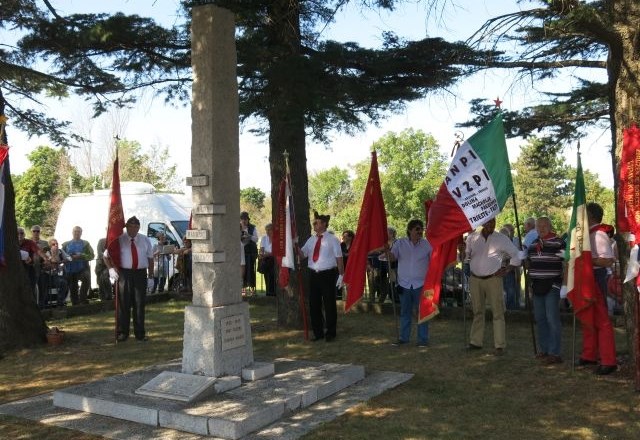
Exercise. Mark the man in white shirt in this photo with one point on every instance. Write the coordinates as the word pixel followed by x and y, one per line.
pixel 136 263
pixel 326 271
pixel 485 250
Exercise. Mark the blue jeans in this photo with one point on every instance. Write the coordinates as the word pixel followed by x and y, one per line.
pixel 409 303
pixel 512 300
pixel 546 310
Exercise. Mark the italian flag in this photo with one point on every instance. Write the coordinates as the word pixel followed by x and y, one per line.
pixel 581 285
pixel 475 188
pixel 474 191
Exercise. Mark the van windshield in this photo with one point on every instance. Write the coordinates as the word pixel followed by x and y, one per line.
pixel 181 227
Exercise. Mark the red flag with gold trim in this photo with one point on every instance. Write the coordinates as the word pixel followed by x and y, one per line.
pixel 115 223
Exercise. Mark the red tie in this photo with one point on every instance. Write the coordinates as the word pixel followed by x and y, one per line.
pixel 316 249
pixel 134 255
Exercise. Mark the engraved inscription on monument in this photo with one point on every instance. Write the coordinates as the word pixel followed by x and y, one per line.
pixel 210 209
pixel 176 386
pixel 197 180
pixel 232 329
pixel 208 257
pixel 197 234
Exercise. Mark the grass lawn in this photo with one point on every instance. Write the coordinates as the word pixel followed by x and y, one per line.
pixel 454 394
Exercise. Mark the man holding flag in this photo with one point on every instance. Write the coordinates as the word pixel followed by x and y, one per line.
pixel 485 250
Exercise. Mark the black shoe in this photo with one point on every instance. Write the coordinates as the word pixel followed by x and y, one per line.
pixel 142 339
pixel 603 370
pixel 317 338
pixel 122 337
pixel 473 347
pixel 399 343
pixel 584 362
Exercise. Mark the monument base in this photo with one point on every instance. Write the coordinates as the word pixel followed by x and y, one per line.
pixel 217 340
pixel 231 415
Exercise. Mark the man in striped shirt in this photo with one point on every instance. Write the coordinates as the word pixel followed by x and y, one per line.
pixel 545 263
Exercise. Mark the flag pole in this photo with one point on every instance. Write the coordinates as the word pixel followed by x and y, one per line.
pixel 525 271
pixel 392 294
pixel 301 302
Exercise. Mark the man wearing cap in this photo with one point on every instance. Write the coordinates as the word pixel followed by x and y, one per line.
pixel 134 277
pixel 326 271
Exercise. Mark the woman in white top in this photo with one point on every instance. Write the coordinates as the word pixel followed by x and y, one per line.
pixel 266 263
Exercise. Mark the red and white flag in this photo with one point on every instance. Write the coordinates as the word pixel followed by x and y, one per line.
pixel 284 233
pixel 371 234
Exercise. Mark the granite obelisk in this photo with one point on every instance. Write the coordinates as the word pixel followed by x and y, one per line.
pixel 217 332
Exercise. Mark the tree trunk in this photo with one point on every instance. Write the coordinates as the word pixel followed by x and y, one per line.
pixel 287 133
pixel 624 79
pixel 21 324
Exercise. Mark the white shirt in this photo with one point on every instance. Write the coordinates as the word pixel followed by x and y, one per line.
pixel 329 250
pixel 143 247
pixel 600 245
pixel 413 261
pixel 265 243
pixel 529 238
pixel 486 255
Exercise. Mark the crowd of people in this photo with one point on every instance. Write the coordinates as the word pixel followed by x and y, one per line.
pixel 494 262
pixel 60 272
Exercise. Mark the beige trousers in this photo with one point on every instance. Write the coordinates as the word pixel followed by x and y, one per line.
pixel 483 291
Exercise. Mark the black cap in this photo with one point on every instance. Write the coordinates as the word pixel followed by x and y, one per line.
pixel 324 218
pixel 133 221
pixel 244 215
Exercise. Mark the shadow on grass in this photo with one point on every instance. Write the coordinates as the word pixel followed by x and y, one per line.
pixel 454 394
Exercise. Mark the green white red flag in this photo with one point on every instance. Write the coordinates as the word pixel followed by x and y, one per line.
pixel 475 189
pixel 581 285
pixel 371 234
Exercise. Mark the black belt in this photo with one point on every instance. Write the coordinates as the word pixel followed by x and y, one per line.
pixel 323 271
pixel 481 278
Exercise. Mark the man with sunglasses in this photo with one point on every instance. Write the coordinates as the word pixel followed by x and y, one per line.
pixel 413 254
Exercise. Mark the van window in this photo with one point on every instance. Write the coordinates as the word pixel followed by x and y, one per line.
pixel 154 228
pixel 180 226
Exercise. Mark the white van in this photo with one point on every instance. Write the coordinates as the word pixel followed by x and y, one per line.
pixel 166 212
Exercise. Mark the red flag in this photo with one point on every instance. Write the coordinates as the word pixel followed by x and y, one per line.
pixel 284 233
pixel 4 175
pixel 371 234
pixel 115 223
pixel 629 192
pixel 443 255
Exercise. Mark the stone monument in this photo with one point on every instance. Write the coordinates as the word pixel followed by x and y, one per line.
pixel 217 333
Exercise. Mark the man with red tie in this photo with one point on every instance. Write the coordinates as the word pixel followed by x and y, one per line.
pixel 326 270
pixel 134 276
